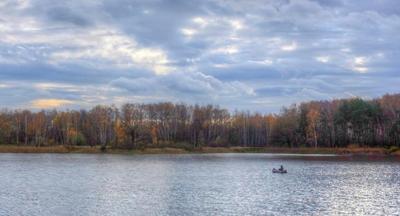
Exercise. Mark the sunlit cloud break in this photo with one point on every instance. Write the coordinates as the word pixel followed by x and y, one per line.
pixel 49 103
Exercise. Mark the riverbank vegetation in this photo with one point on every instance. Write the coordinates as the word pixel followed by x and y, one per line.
pixel 188 150
pixel 316 124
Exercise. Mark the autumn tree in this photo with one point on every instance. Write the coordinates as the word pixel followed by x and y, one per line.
pixel 335 123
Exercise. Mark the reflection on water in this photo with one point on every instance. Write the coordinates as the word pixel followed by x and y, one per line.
pixel 210 184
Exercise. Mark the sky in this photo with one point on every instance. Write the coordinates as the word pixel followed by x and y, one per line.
pixel 243 54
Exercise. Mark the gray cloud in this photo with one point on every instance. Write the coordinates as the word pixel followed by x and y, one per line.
pixel 254 55
pixel 64 14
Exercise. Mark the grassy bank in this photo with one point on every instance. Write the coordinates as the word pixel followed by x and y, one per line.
pixel 175 150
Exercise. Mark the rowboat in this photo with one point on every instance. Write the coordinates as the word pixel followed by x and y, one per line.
pixel 278 171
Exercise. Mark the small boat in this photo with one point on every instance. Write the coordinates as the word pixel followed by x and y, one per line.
pixel 278 171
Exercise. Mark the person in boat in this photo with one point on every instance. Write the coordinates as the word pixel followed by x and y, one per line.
pixel 281 168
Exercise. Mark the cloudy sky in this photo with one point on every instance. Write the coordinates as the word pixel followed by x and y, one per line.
pixel 242 54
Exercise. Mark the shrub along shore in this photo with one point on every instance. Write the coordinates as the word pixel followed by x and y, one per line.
pixel 205 150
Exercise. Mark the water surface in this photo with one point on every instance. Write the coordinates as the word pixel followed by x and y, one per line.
pixel 197 184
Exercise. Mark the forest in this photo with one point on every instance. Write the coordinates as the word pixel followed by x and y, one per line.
pixel 334 123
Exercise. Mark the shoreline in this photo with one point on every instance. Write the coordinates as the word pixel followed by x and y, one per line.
pixel 203 150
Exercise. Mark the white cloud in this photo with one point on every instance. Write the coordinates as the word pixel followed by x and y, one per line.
pixel 360 60
pixel 345 50
pixel 117 49
pixel 189 32
pixel 226 50
pixel 190 86
pixel 2 85
pixel 323 59
pixel 289 47
pixel 49 86
pixel 359 64
pixel 263 62
pixel 237 24
pixel 360 69
pixel 102 46
pixel 200 21
pixel 221 65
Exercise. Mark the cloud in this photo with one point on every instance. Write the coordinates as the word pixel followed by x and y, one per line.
pixel 49 103
pixel 226 50
pixel 237 24
pixel 188 32
pixel 98 46
pixel 323 59
pixel 289 47
pixel 200 21
pixel 2 85
pixel 240 54
pixel 188 86
pixel 66 15
pixel 109 47
pixel 359 64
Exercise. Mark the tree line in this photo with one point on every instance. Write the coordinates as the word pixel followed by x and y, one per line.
pixel 334 123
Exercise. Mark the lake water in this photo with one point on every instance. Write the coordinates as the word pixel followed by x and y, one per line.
pixel 195 184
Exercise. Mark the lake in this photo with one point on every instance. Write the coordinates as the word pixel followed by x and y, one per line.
pixel 197 184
